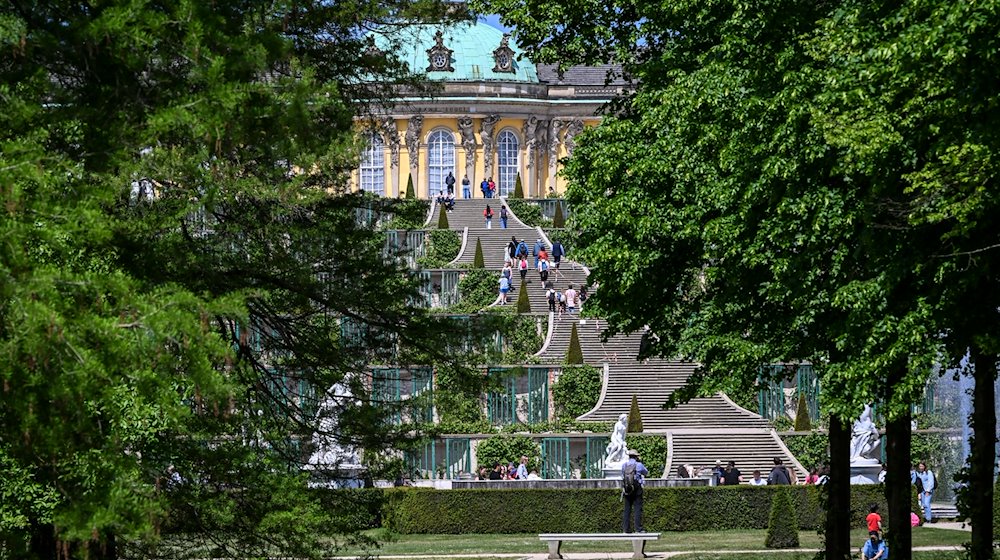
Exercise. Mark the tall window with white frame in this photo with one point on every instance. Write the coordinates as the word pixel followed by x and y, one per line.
pixel 372 172
pixel 440 160
pixel 507 148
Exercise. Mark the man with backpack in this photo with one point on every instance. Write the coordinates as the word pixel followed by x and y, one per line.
pixel 632 477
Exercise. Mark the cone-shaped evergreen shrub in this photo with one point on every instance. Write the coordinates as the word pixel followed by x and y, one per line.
pixel 409 188
pixel 442 218
pixel 783 526
pixel 574 354
pixel 634 417
pixel 802 423
pixel 477 260
pixel 518 189
pixel 523 305
pixel 558 221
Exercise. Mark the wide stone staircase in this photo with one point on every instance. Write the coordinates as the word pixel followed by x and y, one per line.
pixel 468 213
pixel 699 432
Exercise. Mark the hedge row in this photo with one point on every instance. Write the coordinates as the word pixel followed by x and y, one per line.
pixel 426 511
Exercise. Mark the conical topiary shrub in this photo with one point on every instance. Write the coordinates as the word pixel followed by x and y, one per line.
pixel 558 221
pixel 523 305
pixel 783 526
pixel 574 354
pixel 802 423
pixel 442 218
pixel 477 260
pixel 409 187
pixel 634 417
pixel 518 189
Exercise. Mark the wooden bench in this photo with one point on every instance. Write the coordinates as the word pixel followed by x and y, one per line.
pixel 638 541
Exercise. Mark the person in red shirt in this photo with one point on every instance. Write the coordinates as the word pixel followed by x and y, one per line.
pixel 874 520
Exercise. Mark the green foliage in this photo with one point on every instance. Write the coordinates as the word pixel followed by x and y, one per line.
pixel 411 193
pixel 504 448
pixel 528 212
pixel 782 526
pixel 407 214
pixel 458 401
pixel 442 218
pixel 521 337
pixel 634 417
pixel 574 354
pixel 442 247
pixel 802 423
pixel 508 511
pixel 477 259
pixel 811 450
pixel 170 284
pixel 576 391
pixel 518 189
pixel 523 303
pixel 652 450
pixel 477 288
pixel 558 221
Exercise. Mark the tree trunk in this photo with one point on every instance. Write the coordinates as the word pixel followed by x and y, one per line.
pixel 898 490
pixel 982 459
pixel 43 542
pixel 838 492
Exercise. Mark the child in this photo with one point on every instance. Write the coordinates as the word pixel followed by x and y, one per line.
pixel 874 520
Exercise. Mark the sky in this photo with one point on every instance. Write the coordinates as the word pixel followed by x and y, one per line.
pixel 494 20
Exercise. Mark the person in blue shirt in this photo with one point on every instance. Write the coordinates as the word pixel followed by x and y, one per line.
pixel 522 468
pixel 926 488
pixel 875 548
pixel 633 503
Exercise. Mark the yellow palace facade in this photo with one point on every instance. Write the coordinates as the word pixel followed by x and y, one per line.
pixel 497 115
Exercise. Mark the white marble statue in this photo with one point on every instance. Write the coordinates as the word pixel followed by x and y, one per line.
pixel 864 438
pixel 330 454
pixel 616 450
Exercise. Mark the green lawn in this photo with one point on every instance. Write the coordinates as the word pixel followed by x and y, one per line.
pixel 687 541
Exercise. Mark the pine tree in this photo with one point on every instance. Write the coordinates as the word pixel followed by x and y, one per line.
pixel 523 305
pixel 634 417
pixel 783 526
pixel 574 354
pixel 558 220
pixel 409 187
pixel 442 218
pixel 802 421
pixel 518 189
pixel 477 260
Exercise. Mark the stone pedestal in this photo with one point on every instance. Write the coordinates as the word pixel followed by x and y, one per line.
pixel 865 471
pixel 613 472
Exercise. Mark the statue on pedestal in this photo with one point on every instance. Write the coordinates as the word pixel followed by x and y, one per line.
pixel 864 438
pixel 615 454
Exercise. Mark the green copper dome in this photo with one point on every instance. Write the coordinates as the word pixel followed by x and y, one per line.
pixel 472 59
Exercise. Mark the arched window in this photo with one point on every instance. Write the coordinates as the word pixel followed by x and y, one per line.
pixel 440 160
pixel 507 147
pixel 373 166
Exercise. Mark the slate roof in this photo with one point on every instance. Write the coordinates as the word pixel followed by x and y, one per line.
pixel 580 75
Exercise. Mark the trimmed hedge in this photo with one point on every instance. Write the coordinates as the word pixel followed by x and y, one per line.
pixel 427 511
pixel 781 529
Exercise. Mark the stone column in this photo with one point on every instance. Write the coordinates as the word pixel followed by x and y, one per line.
pixel 554 142
pixel 486 130
pixel 541 148
pixel 572 129
pixel 391 134
pixel 413 129
pixel 529 130
pixel 469 144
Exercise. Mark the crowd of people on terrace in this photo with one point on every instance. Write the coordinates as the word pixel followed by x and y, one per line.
pixel 546 264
